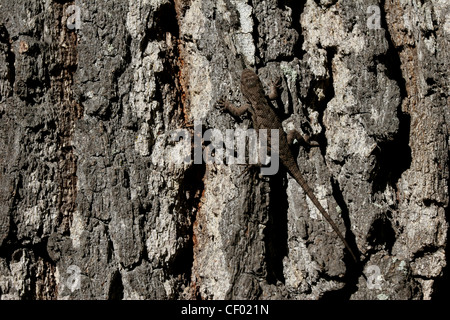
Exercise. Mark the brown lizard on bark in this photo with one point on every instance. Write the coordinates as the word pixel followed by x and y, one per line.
pixel 264 117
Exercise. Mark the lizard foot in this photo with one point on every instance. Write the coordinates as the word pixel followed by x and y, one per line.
pixel 274 89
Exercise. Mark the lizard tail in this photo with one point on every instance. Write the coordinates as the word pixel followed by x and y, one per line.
pixel 302 182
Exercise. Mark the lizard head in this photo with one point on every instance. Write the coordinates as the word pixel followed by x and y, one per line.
pixel 251 86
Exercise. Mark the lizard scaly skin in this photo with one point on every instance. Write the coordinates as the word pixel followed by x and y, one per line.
pixel 264 117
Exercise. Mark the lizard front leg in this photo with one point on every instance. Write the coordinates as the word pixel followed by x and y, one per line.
pixel 226 105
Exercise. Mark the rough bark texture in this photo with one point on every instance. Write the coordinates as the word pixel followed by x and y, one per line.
pixel 92 206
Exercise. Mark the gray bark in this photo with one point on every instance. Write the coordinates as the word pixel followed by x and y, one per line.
pixel 94 206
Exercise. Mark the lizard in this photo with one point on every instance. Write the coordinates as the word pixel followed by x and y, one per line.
pixel 264 117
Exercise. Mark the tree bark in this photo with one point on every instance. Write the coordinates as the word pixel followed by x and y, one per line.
pixel 95 204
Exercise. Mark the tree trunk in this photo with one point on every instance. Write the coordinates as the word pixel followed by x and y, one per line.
pixel 96 202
